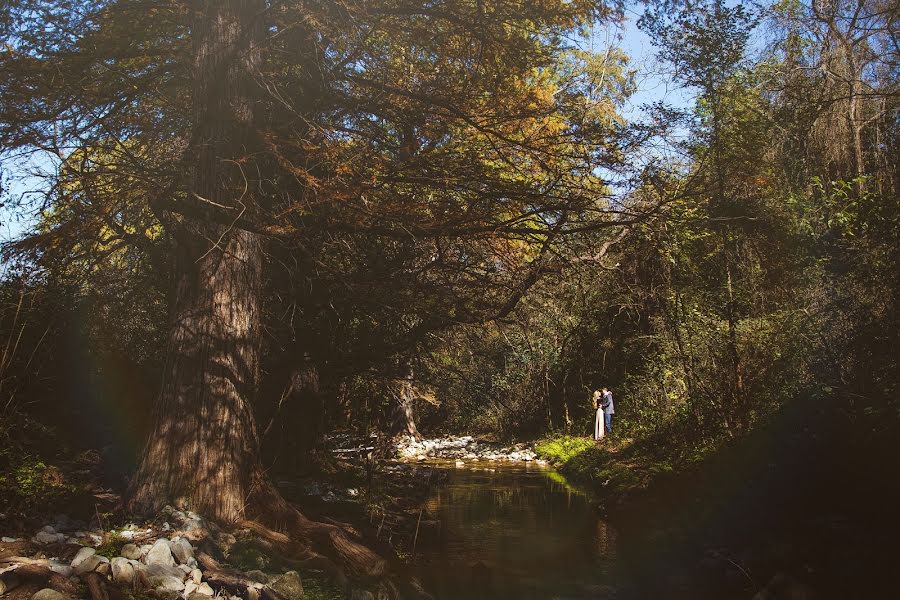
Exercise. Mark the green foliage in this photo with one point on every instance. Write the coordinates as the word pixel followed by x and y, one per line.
pixel 31 488
pixel 111 545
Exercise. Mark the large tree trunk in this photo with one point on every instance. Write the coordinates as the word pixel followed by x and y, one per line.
pixel 204 446
pixel 203 450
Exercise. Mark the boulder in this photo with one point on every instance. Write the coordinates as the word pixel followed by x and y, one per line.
pixel 91 563
pixel 181 550
pixel 103 568
pixel 122 571
pixel 160 554
pixel 131 552
pixel 196 575
pixel 48 594
pixel 289 585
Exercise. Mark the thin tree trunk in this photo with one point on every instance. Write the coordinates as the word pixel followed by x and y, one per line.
pixel 406 398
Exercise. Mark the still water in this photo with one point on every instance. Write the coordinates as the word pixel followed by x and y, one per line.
pixel 513 531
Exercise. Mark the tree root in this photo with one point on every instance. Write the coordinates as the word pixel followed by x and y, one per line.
pixel 29 570
pixel 233 582
pixel 343 546
pixel 95 586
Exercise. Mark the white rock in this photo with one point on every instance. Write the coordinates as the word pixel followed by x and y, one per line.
pixel 81 556
pixel 103 568
pixel 189 588
pixel 61 568
pixel 10 540
pixel 91 563
pixel 204 589
pixel 184 569
pixel 196 576
pixel 166 583
pixel 126 535
pixel 160 554
pixel 122 571
pixel 166 570
pixel 181 550
pixel 131 552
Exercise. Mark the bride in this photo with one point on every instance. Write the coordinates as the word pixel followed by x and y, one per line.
pixel 598 416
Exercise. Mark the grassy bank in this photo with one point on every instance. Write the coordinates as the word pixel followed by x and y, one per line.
pixel 620 468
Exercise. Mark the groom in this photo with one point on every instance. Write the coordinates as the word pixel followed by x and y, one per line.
pixel 606 403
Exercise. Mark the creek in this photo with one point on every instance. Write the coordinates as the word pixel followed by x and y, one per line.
pixel 501 530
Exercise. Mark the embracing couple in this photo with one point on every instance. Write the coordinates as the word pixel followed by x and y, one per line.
pixel 604 408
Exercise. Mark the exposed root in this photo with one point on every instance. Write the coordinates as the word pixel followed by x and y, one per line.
pixel 28 570
pixel 341 545
pixel 232 582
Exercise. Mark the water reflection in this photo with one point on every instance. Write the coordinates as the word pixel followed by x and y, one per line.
pixel 514 532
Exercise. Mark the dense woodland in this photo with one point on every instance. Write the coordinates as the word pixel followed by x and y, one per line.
pixel 261 223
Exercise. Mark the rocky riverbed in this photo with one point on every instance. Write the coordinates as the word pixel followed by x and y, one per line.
pixel 461 449
pixel 64 560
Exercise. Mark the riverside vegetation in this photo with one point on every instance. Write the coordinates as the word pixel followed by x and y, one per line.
pixel 259 244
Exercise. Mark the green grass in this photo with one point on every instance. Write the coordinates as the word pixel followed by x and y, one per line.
pixel 560 449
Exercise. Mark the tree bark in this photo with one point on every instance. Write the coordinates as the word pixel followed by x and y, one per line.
pixel 204 446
